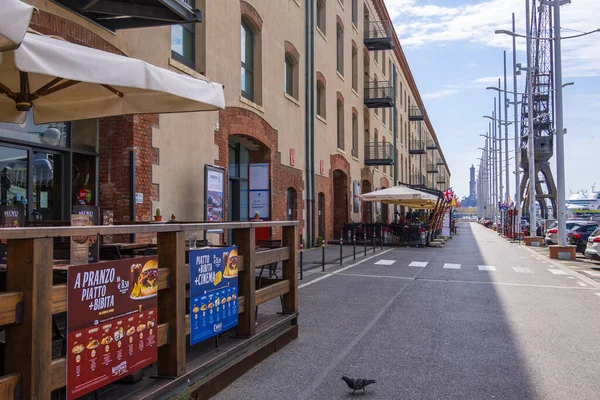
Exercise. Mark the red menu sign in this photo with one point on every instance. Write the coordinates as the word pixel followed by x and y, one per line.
pixel 112 322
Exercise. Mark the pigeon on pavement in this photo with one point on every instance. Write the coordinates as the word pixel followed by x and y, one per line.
pixel 357 384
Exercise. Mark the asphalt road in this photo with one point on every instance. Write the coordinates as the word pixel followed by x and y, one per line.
pixel 480 318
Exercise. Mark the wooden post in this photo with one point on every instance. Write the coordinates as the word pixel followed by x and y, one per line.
pixel 245 241
pixel 28 348
pixel 171 303
pixel 290 268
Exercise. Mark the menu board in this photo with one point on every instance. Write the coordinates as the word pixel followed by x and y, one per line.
pixel 10 217
pixel 93 245
pixel 213 292
pixel 79 243
pixel 111 322
pixel 214 178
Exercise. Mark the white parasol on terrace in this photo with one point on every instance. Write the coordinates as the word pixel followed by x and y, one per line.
pixel 14 21
pixel 62 81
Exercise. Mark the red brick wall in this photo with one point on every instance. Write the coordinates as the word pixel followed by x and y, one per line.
pixel 49 24
pixel 118 137
pixel 240 121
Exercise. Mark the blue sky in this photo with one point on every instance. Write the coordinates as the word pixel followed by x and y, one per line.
pixel 454 54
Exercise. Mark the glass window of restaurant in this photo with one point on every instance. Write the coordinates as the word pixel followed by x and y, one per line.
pixel 49 168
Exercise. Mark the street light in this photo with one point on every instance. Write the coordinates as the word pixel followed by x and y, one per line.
pixel 522 94
pixel 510 33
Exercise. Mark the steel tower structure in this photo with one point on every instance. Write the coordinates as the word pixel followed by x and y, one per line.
pixel 542 108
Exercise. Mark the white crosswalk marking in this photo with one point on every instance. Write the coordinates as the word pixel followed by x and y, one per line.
pixel 593 273
pixel 451 266
pixel 486 268
pixel 581 284
pixel 523 270
pixel 597 294
pixel 385 262
pixel 420 264
pixel 557 271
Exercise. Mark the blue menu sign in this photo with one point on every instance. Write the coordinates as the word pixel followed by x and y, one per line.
pixel 213 292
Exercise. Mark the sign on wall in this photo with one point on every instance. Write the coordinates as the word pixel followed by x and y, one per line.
pixel 214 181
pixel 111 322
pixel 292 157
pixel 259 195
pixel 355 197
pixel 213 292
pixel 322 167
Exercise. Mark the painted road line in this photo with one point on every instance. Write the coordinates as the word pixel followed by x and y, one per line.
pixel 486 268
pixel 597 294
pixel 523 270
pixel 571 277
pixel 361 261
pixel 557 271
pixel 592 273
pixel 385 262
pixel 420 264
pixel 581 284
pixel 452 266
pixel 314 281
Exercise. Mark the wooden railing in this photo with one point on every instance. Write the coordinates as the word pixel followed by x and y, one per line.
pixel 31 299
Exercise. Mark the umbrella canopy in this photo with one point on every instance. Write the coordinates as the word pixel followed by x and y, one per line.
pixel 403 196
pixel 14 21
pixel 62 81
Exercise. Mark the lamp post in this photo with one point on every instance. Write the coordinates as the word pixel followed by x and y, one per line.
pixel 531 139
pixel 517 147
pixel 560 149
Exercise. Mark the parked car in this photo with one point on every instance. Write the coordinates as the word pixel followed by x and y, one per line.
pixel 551 233
pixel 579 235
pixel 593 246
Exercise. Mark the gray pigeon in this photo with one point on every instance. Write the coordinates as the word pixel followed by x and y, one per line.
pixel 357 384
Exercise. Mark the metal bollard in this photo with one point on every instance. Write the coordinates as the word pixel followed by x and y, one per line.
pixel 301 266
pixel 341 249
pixel 323 257
pixel 365 239
pixel 382 233
pixel 354 246
pixel 374 238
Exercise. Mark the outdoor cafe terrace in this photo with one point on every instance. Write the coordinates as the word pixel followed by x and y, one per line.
pixel 39 362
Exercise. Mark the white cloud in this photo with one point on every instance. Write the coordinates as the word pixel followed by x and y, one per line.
pixel 421 25
pixel 439 94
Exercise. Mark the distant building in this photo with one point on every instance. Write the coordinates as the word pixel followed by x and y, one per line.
pixel 471 201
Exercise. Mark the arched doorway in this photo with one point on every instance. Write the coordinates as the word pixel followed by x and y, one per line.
pixel 321 208
pixel 385 212
pixel 367 206
pixel 340 201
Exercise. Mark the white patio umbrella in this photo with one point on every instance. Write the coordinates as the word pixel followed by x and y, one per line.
pixel 14 21
pixel 402 195
pixel 62 81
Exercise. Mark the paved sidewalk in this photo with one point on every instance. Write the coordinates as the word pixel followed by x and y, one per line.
pixel 581 264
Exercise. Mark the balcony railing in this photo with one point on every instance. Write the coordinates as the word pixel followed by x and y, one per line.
pixel 379 153
pixel 417 180
pixel 432 168
pixel 415 114
pixel 431 145
pixel 416 147
pixel 379 94
pixel 379 35
pixel 441 179
pixel 440 162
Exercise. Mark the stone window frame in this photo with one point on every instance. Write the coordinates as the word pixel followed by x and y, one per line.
pixel 292 60
pixel 251 19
